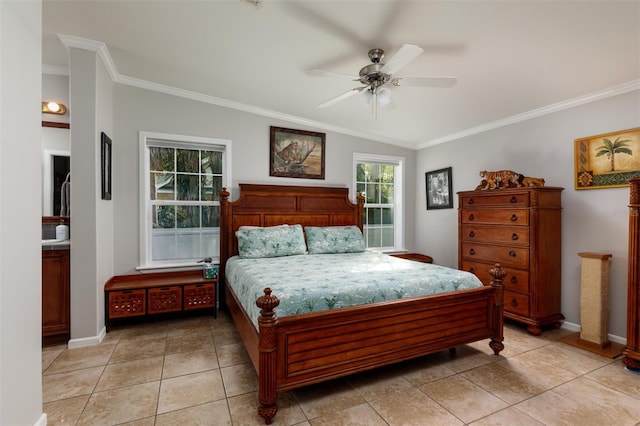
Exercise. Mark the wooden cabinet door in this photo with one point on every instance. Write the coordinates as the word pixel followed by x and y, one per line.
pixel 55 292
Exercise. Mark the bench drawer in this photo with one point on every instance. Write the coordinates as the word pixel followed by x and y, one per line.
pixel 165 299
pixel 197 296
pixel 127 303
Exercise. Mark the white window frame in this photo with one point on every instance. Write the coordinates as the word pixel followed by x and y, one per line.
pixel 145 204
pixel 398 198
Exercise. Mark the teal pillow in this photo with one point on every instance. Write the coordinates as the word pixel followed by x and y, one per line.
pixel 273 241
pixel 334 239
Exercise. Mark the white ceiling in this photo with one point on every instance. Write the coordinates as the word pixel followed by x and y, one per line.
pixel 513 59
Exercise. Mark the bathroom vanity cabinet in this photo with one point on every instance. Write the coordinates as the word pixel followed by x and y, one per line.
pixel 55 294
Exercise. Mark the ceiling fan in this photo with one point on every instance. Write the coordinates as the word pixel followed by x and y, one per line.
pixel 377 75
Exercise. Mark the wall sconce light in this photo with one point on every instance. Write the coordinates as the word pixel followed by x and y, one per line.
pixel 53 108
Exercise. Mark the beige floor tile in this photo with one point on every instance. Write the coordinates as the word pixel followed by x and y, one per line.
pixel 569 358
pixel 189 342
pixel 467 358
pixel 244 410
pixel 194 325
pixel 64 411
pixel 508 417
pixel 378 383
pixel 130 373
pixel 182 363
pixel 112 337
pixel 360 415
pixel 326 398
pixel 530 365
pixel 412 407
pixel 225 336
pixel 239 379
pixel 193 389
pixel 70 384
pixel 79 358
pixel 583 402
pixel 209 414
pixel 49 354
pixel 121 405
pixel 615 376
pixel 504 383
pixel 232 354
pixel 463 398
pixel 131 350
pixel 147 421
pixel 426 369
pixel 144 331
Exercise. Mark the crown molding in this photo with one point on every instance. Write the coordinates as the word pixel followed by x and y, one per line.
pixel 539 112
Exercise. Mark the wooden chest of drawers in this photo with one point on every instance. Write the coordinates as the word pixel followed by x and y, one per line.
pixel 519 228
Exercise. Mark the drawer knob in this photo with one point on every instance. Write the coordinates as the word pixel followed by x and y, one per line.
pixel 514 303
pixel 472 270
pixel 512 253
pixel 472 251
pixel 513 279
pixel 471 217
pixel 472 234
pixel 514 218
pixel 513 199
pixel 514 237
pixel 470 200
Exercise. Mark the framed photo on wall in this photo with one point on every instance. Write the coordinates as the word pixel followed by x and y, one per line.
pixel 105 161
pixel 439 189
pixel 296 153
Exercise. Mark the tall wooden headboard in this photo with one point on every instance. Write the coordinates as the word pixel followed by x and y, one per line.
pixel 270 205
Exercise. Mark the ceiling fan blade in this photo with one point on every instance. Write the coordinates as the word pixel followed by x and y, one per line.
pixel 425 81
pixel 342 97
pixel 323 73
pixel 406 54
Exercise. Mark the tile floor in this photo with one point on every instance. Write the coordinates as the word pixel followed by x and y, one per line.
pixel 196 372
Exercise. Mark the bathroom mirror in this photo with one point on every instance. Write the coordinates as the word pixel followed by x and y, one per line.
pixel 56 162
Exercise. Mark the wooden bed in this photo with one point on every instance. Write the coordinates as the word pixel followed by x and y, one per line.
pixel 300 350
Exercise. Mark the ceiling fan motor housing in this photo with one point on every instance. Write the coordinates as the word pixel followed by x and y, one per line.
pixel 371 75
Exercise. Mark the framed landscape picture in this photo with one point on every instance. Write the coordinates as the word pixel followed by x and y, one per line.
pixel 296 153
pixel 439 189
pixel 607 160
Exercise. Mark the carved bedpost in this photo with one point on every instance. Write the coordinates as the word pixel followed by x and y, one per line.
pixel 225 232
pixel 497 320
pixel 267 394
pixel 631 352
pixel 360 218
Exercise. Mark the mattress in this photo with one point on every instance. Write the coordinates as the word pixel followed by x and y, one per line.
pixel 312 283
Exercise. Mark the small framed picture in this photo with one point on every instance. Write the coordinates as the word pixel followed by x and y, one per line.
pixel 296 153
pixel 105 161
pixel 439 189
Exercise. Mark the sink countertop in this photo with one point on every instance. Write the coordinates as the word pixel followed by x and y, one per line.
pixel 56 244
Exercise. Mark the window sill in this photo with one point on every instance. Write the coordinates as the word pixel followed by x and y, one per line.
pixel 170 267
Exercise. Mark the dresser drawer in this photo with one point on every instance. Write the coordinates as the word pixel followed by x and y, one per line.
pixel 520 199
pixel 516 235
pixel 515 280
pixel 509 256
pixel 516 303
pixel 496 217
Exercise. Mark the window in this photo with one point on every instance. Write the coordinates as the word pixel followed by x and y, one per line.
pixel 180 186
pixel 380 178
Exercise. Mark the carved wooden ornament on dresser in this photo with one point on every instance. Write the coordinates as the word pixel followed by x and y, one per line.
pixel 520 228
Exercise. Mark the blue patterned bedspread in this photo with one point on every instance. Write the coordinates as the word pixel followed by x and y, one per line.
pixel 310 283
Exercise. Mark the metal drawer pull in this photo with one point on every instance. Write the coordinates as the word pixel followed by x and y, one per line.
pixel 514 218
pixel 514 303
pixel 470 200
pixel 472 234
pixel 471 217
pixel 513 279
pixel 514 237
pixel 512 253
pixel 472 252
pixel 513 199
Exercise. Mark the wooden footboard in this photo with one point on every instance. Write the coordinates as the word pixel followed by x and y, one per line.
pixel 300 350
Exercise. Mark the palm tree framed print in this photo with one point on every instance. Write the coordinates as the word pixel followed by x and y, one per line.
pixel 608 160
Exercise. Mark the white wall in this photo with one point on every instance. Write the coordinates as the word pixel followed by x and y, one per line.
pixel 20 212
pixel 137 109
pixel 592 220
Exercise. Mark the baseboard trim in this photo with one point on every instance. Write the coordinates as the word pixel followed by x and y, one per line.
pixel 88 341
pixel 576 327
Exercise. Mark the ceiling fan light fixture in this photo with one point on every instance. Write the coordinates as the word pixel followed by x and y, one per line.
pixel 384 96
